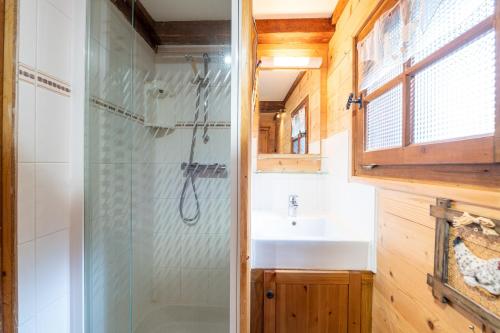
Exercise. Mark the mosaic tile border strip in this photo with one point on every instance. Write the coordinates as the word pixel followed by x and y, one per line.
pixel 105 105
pixel 108 106
pixel 211 124
pixel 40 79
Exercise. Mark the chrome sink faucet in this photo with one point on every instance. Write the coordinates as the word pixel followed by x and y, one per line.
pixel 293 204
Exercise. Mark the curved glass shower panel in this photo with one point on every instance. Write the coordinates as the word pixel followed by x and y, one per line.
pixel 158 153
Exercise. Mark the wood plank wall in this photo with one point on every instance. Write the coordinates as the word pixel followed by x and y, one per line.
pixel 402 301
pixel 405 255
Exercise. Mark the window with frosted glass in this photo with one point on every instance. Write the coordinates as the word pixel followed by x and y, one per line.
pixel 384 120
pixel 455 97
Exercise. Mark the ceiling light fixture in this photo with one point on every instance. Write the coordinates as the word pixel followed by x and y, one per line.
pixel 291 61
pixel 227 59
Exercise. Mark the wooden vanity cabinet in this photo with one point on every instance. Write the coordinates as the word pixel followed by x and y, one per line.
pixel 295 301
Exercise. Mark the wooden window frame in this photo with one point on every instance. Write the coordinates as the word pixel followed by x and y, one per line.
pixel 304 104
pixel 472 160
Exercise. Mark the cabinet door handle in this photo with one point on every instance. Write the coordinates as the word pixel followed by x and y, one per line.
pixel 270 294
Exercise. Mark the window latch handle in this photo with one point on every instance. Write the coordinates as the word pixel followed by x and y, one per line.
pixel 352 100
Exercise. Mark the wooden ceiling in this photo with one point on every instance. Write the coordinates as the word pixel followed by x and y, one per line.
pixel 174 32
pixel 276 106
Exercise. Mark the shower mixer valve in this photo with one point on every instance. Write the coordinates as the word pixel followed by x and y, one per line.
pixel 216 170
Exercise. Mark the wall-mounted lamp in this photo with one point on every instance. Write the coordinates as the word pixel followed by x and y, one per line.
pixel 278 114
pixel 291 62
pixel 351 100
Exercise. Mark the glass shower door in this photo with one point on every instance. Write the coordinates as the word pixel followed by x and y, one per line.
pixel 159 215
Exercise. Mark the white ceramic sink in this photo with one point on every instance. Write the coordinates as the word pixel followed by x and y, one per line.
pixel 305 243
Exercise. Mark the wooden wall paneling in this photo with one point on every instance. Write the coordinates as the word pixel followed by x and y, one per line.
pixel 8 246
pixel 497 77
pixel 247 77
pixel 405 257
pixel 402 300
pixel 288 163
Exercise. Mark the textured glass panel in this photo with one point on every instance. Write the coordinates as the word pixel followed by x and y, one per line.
pixel 436 23
pixel 455 97
pixel 380 57
pixel 384 120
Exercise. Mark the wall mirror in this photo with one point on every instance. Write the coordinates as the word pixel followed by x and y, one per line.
pixel 288 114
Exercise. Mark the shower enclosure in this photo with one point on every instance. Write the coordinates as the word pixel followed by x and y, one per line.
pixel 160 169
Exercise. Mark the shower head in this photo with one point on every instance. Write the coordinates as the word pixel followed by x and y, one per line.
pixel 190 59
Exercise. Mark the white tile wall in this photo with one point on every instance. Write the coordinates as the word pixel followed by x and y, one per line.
pixel 44 168
pixel 270 192
pixel 193 259
pixel 27 32
pixel 52 126
pixel 52 198
pixel 27 280
pixel 26 203
pixel 54 40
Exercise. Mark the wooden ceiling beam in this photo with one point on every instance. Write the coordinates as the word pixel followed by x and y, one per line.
pixel 337 12
pixel 174 32
pixel 271 106
pixel 142 21
pixel 194 32
pixel 278 31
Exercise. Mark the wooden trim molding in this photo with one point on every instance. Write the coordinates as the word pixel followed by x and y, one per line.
pixel 247 70
pixel 8 259
pixel 294 85
pixel 287 31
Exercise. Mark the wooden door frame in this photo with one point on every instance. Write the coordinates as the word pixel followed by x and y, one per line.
pixel 8 239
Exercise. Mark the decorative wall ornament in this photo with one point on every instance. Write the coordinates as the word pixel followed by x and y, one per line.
pixel 487 226
pixel 467 264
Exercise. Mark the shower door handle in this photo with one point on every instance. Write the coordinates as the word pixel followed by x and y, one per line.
pixel 270 294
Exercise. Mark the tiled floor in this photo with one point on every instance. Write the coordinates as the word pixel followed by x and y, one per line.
pixel 185 319
pixel 190 328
